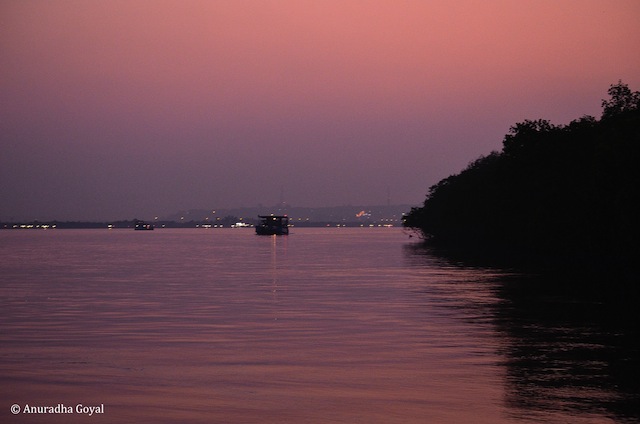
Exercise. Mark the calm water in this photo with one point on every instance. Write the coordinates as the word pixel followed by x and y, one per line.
pixel 323 326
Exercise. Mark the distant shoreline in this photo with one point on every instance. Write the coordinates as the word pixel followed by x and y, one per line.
pixel 80 225
pixel 348 216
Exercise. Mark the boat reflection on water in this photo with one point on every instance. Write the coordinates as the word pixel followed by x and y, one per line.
pixel 571 352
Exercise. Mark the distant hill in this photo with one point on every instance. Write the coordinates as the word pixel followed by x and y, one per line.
pixel 391 214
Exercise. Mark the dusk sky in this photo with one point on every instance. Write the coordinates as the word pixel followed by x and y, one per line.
pixel 121 109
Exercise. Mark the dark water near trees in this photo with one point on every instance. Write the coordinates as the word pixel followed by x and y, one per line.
pixel 323 326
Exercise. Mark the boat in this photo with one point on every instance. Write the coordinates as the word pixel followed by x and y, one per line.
pixel 141 225
pixel 271 225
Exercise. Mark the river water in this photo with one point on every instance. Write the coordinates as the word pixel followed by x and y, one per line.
pixel 326 325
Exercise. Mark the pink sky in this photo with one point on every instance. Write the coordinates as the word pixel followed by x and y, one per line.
pixel 116 109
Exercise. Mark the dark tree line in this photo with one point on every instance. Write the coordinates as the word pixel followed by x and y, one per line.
pixel 557 194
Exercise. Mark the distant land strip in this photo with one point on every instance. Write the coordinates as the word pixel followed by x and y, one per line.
pixel 340 216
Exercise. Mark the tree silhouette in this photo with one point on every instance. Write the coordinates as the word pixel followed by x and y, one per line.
pixel 563 194
pixel 622 100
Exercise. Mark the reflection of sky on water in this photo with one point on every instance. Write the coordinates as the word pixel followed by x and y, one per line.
pixel 348 325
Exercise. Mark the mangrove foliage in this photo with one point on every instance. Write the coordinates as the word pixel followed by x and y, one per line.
pixel 554 193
